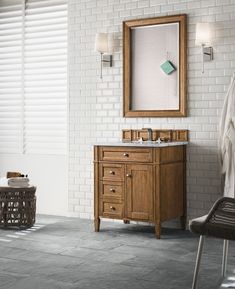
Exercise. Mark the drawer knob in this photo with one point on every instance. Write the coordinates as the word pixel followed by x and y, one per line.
pixel 128 175
pixel 126 155
pixel 112 173
pixel 112 190
pixel 112 208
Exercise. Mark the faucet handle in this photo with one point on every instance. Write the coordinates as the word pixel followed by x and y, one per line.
pixel 158 140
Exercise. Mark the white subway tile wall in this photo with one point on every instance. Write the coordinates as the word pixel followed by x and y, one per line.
pixel 96 105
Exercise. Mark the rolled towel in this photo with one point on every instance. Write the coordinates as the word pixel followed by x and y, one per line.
pixel 17 182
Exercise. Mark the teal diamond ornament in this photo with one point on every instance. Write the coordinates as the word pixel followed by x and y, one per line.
pixel 168 67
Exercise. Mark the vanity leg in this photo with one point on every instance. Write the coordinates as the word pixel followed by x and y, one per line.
pixel 97 224
pixel 158 230
pixel 126 221
pixel 183 222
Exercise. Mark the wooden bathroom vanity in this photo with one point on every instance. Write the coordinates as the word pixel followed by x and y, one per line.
pixel 140 182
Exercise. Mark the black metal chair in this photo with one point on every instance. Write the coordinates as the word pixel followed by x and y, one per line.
pixel 219 223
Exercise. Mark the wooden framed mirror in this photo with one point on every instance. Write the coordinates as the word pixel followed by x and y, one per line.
pixel 155 67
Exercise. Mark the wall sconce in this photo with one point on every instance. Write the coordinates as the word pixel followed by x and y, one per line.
pixel 103 46
pixel 203 38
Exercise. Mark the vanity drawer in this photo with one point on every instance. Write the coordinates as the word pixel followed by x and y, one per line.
pixel 111 209
pixel 111 189
pixel 114 172
pixel 126 154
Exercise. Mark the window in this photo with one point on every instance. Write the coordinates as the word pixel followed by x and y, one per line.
pixel 33 76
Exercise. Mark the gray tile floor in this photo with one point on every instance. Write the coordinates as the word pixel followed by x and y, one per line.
pixel 66 253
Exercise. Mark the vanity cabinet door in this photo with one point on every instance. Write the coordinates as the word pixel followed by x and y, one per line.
pixel 139 192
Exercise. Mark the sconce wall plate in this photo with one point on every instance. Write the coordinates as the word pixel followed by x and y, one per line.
pixel 107 60
pixel 207 53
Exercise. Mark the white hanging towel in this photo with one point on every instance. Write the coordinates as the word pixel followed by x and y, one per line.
pixel 227 140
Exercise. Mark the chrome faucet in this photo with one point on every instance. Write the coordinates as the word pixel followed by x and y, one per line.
pixel 150 134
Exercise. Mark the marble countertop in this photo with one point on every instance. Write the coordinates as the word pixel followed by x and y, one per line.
pixel 143 144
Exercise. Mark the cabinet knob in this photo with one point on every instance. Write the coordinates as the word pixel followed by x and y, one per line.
pixel 112 208
pixel 112 190
pixel 126 155
pixel 128 175
pixel 112 172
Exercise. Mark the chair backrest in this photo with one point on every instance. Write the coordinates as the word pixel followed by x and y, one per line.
pixel 223 213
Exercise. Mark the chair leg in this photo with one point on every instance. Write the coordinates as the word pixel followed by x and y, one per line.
pixel 225 258
pixel 198 261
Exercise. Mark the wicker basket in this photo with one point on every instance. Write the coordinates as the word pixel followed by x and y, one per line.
pixel 17 206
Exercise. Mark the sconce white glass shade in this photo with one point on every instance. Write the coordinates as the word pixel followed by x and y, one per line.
pixel 102 43
pixel 203 34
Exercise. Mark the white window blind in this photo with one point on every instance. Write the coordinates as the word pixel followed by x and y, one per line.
pixel 37 95
pixel 11 76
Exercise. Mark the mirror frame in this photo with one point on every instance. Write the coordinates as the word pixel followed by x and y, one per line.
pixel 127 64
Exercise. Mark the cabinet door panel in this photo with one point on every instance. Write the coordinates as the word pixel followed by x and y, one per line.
pixel 139 192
